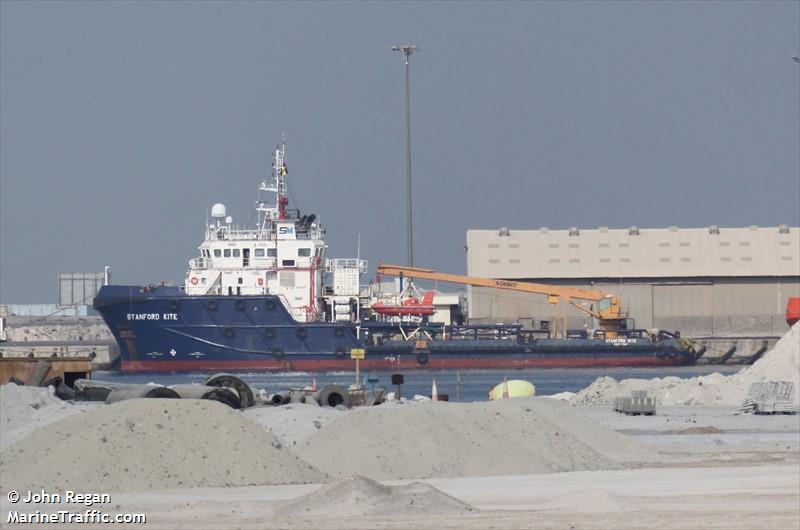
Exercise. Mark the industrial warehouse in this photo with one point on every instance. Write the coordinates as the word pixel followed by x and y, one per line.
pixel 705 282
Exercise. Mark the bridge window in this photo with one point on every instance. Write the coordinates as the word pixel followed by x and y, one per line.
pixel 259 253
pixel 227 253
pixel 272 252
pixel 304 252
pixel 236 253
pixel 287 263
pixel 217 253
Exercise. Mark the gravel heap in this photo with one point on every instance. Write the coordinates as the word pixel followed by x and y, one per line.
pixel 144 444
pixel 78 330
pixel 781 363
pixel 359 496
pixel 423 440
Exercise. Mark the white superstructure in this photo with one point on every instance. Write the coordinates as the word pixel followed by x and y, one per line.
pixel 284 255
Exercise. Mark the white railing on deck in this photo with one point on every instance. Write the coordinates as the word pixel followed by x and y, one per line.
pixel 340 263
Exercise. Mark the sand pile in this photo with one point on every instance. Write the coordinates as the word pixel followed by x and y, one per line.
pixel 24 409
pixel 781 363
pixel 293 423
pixel 143 444
pixel 358 496
pixel 422 440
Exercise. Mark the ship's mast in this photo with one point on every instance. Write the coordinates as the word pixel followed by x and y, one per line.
pixel 275 183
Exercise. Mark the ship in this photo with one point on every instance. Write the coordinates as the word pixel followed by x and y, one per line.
pixel 267 298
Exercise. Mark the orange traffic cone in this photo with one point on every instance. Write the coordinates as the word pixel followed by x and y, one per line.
pixel 505 388
pixel 434 392
pixel 313 385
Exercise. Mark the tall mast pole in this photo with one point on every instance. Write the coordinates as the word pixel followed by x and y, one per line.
pixel 407 50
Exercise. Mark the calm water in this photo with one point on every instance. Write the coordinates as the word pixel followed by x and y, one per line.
pixel 474 385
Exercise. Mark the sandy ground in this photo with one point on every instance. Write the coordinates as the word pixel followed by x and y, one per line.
pixel 511 464
pixel 696 478
pixel 722 497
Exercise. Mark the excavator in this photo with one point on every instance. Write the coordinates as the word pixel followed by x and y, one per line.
pixel 604 307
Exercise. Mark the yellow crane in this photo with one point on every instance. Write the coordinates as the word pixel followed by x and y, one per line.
pixel 608 310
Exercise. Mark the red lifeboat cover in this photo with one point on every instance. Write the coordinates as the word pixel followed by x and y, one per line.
pixel 793 310
pixel 409 307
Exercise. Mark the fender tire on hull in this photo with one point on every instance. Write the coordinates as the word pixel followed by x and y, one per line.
pixel 422 358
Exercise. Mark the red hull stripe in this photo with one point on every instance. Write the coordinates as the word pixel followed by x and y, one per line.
pixel 407 363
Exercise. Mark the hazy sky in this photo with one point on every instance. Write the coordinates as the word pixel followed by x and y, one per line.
pixel 121 123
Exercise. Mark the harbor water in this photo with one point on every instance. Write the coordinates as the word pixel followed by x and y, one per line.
pixel 465 385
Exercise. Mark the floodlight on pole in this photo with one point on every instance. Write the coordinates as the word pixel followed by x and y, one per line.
pixel 407 50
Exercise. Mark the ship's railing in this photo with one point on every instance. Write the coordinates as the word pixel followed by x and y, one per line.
pixel 344 263
pixel 226 234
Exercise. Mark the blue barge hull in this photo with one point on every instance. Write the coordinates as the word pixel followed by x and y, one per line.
pixel 161 329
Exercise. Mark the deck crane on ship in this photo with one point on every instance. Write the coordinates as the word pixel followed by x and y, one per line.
pixel 605 307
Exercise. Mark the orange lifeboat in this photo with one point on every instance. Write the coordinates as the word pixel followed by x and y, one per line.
pixel 793 310
pixel 411 306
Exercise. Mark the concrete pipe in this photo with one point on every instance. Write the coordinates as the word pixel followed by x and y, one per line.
pixel 65 392
pixel 40 371
pixel 140 391
pixel 213 393
pixel 331 396
pixel 280 398
pixel 297 396
pixel 244 391
pixel 91 390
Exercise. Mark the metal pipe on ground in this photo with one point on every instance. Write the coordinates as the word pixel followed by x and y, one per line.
pixel 213 393
pixel 140 391
pixel 331 396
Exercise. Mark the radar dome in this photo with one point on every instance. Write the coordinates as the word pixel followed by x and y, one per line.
pixel 229 220
pixel 218 211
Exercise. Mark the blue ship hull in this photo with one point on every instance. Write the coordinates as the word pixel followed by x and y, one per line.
pixel 163 329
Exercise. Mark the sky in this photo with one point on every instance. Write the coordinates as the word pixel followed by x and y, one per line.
pixel 122 123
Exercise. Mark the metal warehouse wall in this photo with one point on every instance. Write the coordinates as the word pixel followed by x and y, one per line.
pixel 698 307
pixel 701 281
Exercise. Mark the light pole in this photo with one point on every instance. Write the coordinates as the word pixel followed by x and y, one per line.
pixel 407 50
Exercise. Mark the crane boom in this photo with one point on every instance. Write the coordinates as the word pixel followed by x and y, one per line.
pixel 608 305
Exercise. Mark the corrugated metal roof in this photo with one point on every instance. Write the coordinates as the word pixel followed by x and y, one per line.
pixel 634 252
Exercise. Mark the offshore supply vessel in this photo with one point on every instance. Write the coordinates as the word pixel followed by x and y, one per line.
pixel 268 298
